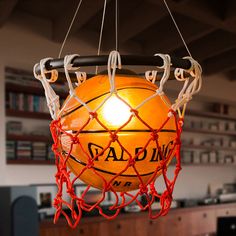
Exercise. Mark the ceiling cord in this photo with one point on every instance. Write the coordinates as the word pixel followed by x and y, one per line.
pixel 176 26
pixel 69 29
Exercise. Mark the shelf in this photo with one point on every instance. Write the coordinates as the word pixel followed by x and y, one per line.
pixel 30 162
pixel 28 114
pixel 17 88
pixel 191 130
pixel 212 148
pixel 27 137
pixel 210 115
pixel 207 164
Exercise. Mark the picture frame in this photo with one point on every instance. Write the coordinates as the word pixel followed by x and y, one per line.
pixel 45 194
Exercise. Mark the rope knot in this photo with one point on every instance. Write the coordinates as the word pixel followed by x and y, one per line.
pixel 56 203
pixel 90 164
pixel 178 141
pixel 143 188
pixel 70 191
pixel 181 122
pixel 75 140
pixel 131 162
pixel 113 137
pixel 93 114
pixel 134 111
pixel 154 135
pixel 177 169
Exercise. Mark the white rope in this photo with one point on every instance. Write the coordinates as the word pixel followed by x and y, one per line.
pixel 116 25
pixel 188 90
pixel 176 26
pixel 81 77
pixel 69 29
pixel 101 31
pixel 151 76
pixel 68 65
pixel 114 61
pixel 52 98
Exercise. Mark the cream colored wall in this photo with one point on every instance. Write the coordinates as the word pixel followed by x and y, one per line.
pixel 22 47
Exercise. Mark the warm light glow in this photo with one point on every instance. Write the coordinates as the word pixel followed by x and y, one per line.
pixel 115 112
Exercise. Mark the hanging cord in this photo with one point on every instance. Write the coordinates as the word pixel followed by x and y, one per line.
pixel 176 26
pixel 117 15
pixel 101 32
pixel 68 65
pixel 69 29
pixel 114 62
pixel 151 76
pixel 188 90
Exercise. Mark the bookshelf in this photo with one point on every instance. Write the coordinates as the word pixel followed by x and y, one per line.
pixel 209 138
pixel 25 103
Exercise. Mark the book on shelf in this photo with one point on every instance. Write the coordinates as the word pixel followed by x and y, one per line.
pixel 26 78
pixel 14 127
pixel 23 150
pixel 11 149
pixel 26 102
pixel 39 150
pixel 50 153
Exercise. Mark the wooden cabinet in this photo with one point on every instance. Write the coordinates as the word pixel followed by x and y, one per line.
pixel 179 222
pixel 228 211
pixel 176 223
pixel 119 227
pixel 202 221
pixel 88 229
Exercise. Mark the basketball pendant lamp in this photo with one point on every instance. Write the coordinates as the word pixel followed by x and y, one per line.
pixel 117 131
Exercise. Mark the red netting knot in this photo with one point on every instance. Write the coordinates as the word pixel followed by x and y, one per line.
pixel 163 165
pixel 70 191
pixel 181 122
pixel 54 147
pixel 90 164
pixel 131 162
pixel 152 189
pixel 135 112
pixel 177 141
pixel 93 114
pixel 177 169
pixel 113 137
pixel 75 140
pixel 154 135
pixel 56 202
pixel 143 188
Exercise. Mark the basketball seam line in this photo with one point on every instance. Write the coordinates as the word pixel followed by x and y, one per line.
pixel 99 97
pixel 125 130
pixel 108 172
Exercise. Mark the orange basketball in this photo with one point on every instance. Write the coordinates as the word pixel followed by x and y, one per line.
pixel 93 138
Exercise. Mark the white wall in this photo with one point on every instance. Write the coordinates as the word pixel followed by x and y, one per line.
pixel 22 47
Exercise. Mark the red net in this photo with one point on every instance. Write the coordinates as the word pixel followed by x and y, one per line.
pixel 147 191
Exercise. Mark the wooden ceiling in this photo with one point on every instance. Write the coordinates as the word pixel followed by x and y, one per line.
pixel 208 26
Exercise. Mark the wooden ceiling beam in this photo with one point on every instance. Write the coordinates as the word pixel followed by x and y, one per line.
pixel 231 75
pixel 210 45
pixel 139 19
pixel 169 40
pixel 87 10
pixel 6 8
pixel 197 10
pixel 220 63
pixel 92 37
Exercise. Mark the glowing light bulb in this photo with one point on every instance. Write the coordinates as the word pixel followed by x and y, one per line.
pixel 115 112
